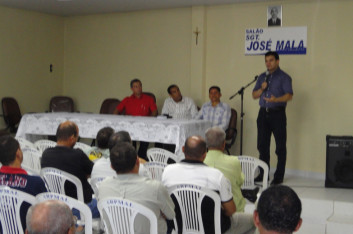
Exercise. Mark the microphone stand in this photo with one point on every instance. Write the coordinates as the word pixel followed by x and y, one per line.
pixel 241 92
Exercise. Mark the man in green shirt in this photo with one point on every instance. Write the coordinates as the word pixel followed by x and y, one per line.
pixel 229 166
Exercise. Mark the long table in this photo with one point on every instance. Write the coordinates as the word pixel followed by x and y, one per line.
pixel 151 129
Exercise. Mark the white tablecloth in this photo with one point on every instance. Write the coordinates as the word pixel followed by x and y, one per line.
pixel 148 129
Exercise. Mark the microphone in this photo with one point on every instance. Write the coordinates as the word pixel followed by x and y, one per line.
pixel 266 79
pixel 267 76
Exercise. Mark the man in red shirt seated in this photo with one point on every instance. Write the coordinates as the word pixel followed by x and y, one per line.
pixel 138 104
pixel 12 175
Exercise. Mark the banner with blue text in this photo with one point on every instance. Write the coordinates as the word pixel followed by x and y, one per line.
pixel 284 40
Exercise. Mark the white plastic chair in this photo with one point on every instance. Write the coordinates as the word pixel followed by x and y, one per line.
pixel 84 147
pixel 55 181
pixel 119 215
pixel 24 143
pixel 31 160
pixel 189 198
pixel 85 212
pixel 95 181
pixel 10 203
pixel 155 170
pixel 160 155
pixel 44 144
pixel 248 167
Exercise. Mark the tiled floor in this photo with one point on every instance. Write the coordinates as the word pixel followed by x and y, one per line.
pixel 315 189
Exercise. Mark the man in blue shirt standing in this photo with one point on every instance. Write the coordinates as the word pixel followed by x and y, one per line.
pixel 274 89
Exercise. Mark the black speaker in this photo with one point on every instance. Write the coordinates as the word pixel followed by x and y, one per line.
pixel 339 162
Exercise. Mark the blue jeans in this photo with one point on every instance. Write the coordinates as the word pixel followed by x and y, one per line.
pixel 92 206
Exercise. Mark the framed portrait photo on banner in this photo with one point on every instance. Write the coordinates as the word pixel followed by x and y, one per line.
pixel 274 16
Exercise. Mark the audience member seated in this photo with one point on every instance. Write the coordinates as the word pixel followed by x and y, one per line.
pixel 228 165
pixel 215 111
pixel 102 139
pixel 102 166
pixel 278 211
pixel 177 106
pixel 74 161
pixel 193 170
pixel 129 185
pixel 50 217
pixel 138 104
pixel 12 175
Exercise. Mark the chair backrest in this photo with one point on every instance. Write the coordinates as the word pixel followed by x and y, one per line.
pixel 152 95
pixel 42 145
pixel 85 212
pixel 11 112
pixel 119 215
pixel 109 105
pixel 31 160
pixel 161 155
pixel 10 203
pixel 61 104
pixel 55 180
pixel 231 132
pixel 24 143
pixel 248 167
pixel 189 199
pixel 155 170
pixel 84 147
pixel 95 182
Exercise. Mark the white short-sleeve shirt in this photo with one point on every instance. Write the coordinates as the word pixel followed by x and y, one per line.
pixel 199 174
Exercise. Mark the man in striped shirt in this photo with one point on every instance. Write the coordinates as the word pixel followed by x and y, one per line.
pixel 215 111
pixel 177 106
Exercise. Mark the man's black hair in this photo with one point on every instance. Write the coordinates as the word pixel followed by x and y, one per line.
pixel 118 137
pixel 103 137
pixel 123 157
pixel 170 88
pixel 214 87
pixel 134 81
pixel 279 209
pixel 272 53
pixel 8 149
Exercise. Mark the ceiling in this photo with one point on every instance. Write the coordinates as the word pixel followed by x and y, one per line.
pixel 84 7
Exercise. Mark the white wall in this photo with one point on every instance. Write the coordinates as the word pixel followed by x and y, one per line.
pixel 104 52
pixel 29 43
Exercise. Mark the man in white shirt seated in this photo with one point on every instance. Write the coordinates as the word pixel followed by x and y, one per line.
pixel 102 139
pixel 129 185
pixel 178 106
pixel 102 166
pixel 215 111
pixel 193 170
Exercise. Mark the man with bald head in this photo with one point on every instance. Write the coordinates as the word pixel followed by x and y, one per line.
pixel 193 170
pixel 50 217
pixel 73 161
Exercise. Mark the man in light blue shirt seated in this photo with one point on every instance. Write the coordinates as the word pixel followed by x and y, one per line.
pixel 215 111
